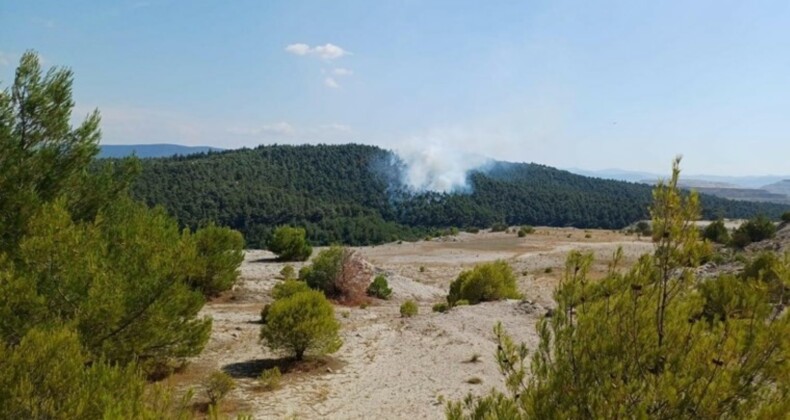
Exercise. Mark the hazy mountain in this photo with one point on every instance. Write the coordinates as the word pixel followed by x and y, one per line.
pixel 691 180
pixel 150 150
pixel 780 187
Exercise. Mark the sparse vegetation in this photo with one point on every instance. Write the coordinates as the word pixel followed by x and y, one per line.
pixel 218 385
pixel 290 244
pixel 300 323
pixel 339 273
pixel 525 230
pixel 623 346
pixel 409 309
pixel 288 272
pixel 498 227
pixel 786 217
pixel 379 288
pixel 269 379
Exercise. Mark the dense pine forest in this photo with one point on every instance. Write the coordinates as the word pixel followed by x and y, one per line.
pixel 351 194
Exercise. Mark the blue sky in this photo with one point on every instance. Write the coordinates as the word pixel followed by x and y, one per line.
pixel 587 84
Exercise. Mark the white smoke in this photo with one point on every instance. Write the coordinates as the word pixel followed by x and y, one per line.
pixel 432 166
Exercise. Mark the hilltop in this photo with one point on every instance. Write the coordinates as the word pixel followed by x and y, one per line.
pixel 352 194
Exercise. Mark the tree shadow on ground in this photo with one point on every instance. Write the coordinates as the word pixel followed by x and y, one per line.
pixel 267 260
pixel 252 368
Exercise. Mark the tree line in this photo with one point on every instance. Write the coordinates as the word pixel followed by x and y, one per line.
pixel 352 194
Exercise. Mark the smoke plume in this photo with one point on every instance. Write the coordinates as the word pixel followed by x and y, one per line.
pixel 432 167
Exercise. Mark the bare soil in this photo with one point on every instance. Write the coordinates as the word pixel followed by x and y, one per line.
pixel 393 367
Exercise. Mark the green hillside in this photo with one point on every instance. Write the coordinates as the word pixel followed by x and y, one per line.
pixel 351 194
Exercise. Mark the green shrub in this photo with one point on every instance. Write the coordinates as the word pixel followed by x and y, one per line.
pixel 290 244
pixel 485 282
pixel 461 302
pixel 587 235
pixel 269 379
pixel 219 255
pixel 379 288
pixel 288 272
pixel 409 309
pixel 786 217
pixel 300 323
pixel 525 230
pixel 265 312
pixel 716 232
pixel 754 230
pixel 548 270
pixel 288 288
pixel 643 228
pixel 422 269
pixel 441 307
pixel 325 269
pixel 498 227
pixel 217 385
pixel 473 230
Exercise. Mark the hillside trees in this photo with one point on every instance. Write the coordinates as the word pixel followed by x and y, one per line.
pixel 652 342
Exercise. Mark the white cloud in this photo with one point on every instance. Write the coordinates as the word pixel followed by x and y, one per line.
pixel 298 49
pixel 326 51
pixel 281 128
pixel 340 71
pixel 331 83
pixel 337 127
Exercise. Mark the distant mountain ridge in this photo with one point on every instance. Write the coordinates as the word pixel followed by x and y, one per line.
pixel 151 150
pixel 756 181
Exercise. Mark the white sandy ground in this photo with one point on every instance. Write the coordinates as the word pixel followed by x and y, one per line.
pixel 391 367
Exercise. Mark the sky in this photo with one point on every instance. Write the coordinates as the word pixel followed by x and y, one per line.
pixel 571 84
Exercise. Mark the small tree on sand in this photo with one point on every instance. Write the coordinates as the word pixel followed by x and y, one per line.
pixel 301 323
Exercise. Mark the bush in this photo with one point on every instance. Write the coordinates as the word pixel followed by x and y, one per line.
pixel 379 288
pixel 288 272
pixel 288 288
pixel 219 255
pixel 289 244
pixel 217 386
pixel 339 273
pixel 300 323
pixel 786 217
pixel 473 230
pixel 409 309
pixel 498 227
pixel 485 282
pixel 265 312
pixel 757 229
pixel 269 379
pixel 643 228
pixel 525 230
pixel 461 302
pixel 422 269
pixel 441 307
pixel 716 232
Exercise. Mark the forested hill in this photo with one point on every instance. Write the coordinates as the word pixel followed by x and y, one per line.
pixel 350 194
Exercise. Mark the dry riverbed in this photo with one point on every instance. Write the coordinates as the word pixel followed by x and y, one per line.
pixel 393 367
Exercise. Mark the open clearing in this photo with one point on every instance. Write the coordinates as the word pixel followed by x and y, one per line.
pixel 392 367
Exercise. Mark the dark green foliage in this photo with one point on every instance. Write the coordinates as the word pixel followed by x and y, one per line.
pixel 409 309
pixel 716 232
pixel 754 230
pixel 349 194
pixel 289 244
pixel 766 271
pixel 525 230
pixel 325 270
pixel 288 272
pixel 643 228
pixel 300 323
pixel 219 255
pixel 379 288
pixel 786 217
pixel 441 307
pixel 498 227
pixel 485 282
